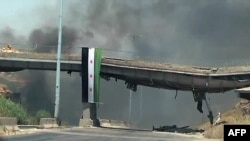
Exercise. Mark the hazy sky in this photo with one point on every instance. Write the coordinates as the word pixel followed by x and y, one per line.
pixel 21 16
pixel 180 31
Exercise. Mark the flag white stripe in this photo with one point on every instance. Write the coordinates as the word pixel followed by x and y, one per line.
pixel 91 61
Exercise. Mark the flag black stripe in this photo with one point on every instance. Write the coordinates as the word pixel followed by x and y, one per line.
pixel 84 73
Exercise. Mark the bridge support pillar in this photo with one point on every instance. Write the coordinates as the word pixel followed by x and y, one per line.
pixel 89 116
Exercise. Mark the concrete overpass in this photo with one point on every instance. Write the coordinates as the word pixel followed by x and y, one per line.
pixel 134 72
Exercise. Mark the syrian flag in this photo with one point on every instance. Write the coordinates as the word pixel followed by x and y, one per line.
pixel 91 67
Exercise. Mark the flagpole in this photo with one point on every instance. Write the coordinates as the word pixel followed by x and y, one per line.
pixel 58 65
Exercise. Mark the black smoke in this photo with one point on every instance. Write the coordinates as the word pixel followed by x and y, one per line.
pixel 47 39
pixel 199 33
pixel 176 31
pixel 204 33
pixel 7 35
pixel 244 96
pixel 37 93
pixel 40 93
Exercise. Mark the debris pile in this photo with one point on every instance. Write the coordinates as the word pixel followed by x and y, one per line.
pixel 113 123
pixel 9 49
pixel 5 91
pixel 174 128
pixel 13 77
pixel 244 106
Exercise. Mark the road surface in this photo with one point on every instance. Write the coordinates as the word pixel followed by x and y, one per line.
pixel 100 134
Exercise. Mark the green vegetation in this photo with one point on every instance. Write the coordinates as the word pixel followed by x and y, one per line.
pixel 11 109
pixel 42 114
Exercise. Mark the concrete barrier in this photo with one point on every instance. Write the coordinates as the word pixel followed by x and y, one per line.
pixel 8 125
pixel 113 123
pixel 86 123
pixel 48 123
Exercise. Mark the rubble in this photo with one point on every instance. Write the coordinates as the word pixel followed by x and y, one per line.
pixel 9 49
pixel 244 106
pixel 114 123
pixel 5 91
pixel 174 128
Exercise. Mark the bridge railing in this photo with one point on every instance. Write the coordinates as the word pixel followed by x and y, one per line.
pixel 35 51
pixel 41 56
pixel 200 61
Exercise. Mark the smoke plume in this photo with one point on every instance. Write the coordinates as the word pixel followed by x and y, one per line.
pixel 47 39
pixel 187 32
pixel 40 91
pixel 7 35
pixel 176 31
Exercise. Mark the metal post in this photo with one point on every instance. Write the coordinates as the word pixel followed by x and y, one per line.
pixel 140 102
pixel 58 65
pixel 130 105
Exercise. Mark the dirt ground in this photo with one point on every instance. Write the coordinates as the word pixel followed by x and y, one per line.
pixel 238 115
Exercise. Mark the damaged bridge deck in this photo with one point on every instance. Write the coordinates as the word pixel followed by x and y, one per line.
pixel 135 72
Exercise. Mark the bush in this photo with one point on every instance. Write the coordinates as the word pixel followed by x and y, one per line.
pixel 42 114
pixel 11 109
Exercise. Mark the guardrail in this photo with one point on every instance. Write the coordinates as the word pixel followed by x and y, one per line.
pixel 41 56
pixel 35 51
pixel 32 54
pixel 207 62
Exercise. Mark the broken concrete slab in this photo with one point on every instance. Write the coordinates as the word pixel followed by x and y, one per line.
pixel 46 123
pixel 113 123
pixel 243 90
